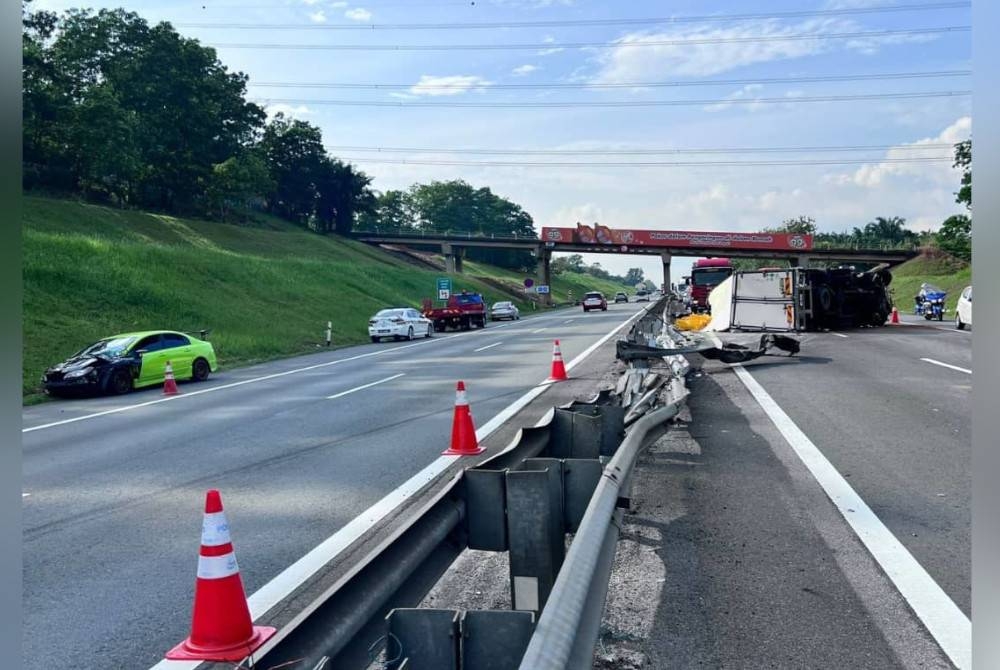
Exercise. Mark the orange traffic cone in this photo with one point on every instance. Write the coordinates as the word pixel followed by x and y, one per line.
pixel 169 383
pixel 221 628
pixel 895 315
pixel 463 431
pixel 558 368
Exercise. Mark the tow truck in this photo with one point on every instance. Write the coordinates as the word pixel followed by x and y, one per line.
pixel 463 311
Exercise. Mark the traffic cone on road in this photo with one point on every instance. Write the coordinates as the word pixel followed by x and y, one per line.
pixel 895 315
pixel 558 368
pixel 221 628
pixel 463 431
pixel 169 383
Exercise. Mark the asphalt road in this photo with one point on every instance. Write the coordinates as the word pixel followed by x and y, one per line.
pixel 113 488
pixel 735 557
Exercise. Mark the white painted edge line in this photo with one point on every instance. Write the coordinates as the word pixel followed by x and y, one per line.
pixel 947 624
pixel 838 334
pixel 190 394
pixel 947 365
pixel 25 495
pixel 301 570
pixel 364 386
pixel 488 346
pixel 538 330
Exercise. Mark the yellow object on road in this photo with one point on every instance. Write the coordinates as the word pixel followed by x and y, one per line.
pixel 692 322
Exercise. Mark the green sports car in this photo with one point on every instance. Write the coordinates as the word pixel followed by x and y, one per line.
pixel 119 363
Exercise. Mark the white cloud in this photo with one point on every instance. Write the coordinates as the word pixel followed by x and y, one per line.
pixel 628 62
pixel 741 96
pixel 456 85
pixel 522 70
pixel 874 175
pixel 310 2
pixel 287 110
pixel 358 14
pixel 318 17
pixel 338 5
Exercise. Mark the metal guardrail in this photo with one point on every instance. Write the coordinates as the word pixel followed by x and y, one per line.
pixel 569 474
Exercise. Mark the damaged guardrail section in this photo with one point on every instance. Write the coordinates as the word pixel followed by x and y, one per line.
pixel 568 475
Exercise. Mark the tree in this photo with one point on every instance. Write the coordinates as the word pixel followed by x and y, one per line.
pixel 955 236
pixel 634 276
pixel 342 193
pixel 293 153
pixel 571 263
pixel 238 182
pixel 963 160
pixel 802 225
pixel 393 212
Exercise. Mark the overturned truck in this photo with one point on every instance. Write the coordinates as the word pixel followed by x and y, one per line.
pixel 802 299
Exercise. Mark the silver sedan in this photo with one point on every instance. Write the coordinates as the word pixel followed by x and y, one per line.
pixel 504 310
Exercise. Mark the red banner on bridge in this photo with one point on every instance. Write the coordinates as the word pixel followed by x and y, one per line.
pixel 602 235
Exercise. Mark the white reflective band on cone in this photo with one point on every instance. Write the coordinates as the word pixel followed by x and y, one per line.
pixel 215 530
pixel 460 398
pixel 217 567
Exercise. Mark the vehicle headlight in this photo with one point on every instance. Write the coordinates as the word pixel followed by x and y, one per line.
pixel 74 374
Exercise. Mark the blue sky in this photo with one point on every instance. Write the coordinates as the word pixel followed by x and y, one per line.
pixel 707 197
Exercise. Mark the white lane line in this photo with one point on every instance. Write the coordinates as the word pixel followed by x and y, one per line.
pixel 303 569
pixel 569 320
pixel 25 495
pixel 538 330
pixel 488 346
pixel 947 365
pixel 838 334
pixel 946 623
pixel 364 386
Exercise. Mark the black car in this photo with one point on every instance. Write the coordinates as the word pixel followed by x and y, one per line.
pixel 621 297
pixel 106 366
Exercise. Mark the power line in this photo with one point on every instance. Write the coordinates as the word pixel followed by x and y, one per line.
pixel 617 103
pixel 638 152
pixel 592 164
pixel 626 85
pixel 560 23
pixel 873 34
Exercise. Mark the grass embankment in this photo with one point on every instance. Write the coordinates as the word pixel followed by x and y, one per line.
pixel 266 290
pixel 944 271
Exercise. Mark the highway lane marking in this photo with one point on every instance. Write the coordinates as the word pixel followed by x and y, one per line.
pixel 488 346
pixel 838 334
pixel 569 320
pixel 538 330
pixel 364 386
pixel 292 577
pixel 190 394
pixel 25 495
pixel 947 624
pixel 947 365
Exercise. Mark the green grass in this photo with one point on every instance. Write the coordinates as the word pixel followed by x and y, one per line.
pixel 949 273
pixel 266 289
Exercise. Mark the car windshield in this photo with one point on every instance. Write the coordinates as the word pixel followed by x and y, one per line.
pixel 501 305
pixel 709 276
pixel 388 313
pixel 111 348
pixel 468 299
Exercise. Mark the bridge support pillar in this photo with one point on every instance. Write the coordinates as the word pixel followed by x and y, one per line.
pixel 546 298
pixel 452 258
pixel 665 258
pixel 801 261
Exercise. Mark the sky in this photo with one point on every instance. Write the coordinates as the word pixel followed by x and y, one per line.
pixel 679 82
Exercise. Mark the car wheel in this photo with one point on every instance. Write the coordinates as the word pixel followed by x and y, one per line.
pixel 200 370
pixel 430 330
pixel 958 322
pixel 376 340
pixel 409 333
pixel 120 382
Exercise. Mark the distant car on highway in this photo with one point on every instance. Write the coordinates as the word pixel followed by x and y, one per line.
pixel 642 295
pixel 120 363
pixel 963 311
pixel 621 296
pixel 594 300
pixel 399 323
pixel 504 310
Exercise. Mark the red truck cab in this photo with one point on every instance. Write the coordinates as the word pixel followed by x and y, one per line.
pixel 706 274
pixel 463 311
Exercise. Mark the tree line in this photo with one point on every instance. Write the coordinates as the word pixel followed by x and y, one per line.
pixel 121 112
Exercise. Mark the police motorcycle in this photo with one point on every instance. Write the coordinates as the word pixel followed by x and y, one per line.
pixel 930 302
